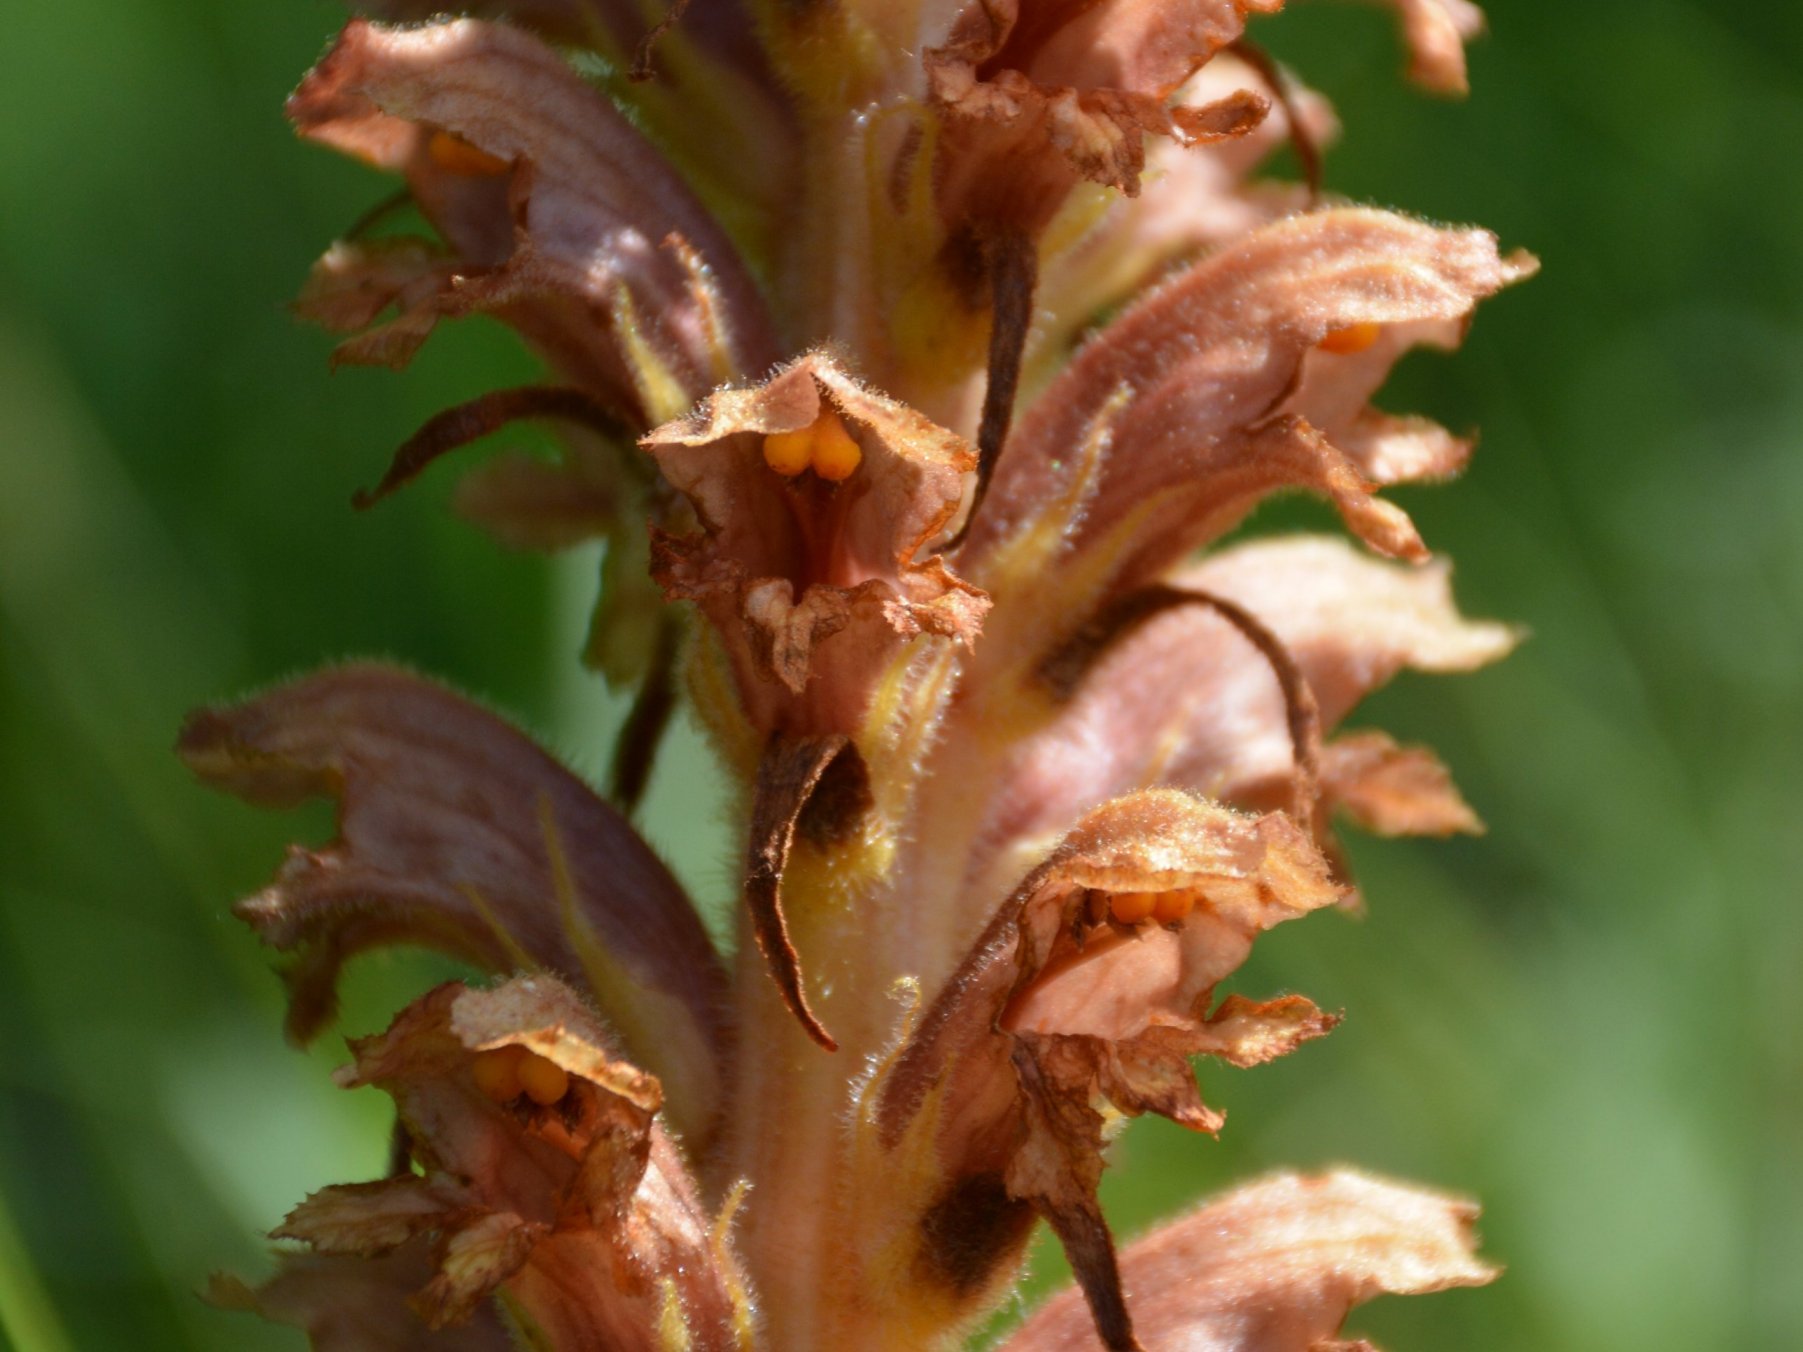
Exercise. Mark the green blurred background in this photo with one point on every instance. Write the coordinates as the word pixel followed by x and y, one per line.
pixel 1589 1018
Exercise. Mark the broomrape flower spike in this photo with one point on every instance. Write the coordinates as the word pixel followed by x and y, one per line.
pixel 938 558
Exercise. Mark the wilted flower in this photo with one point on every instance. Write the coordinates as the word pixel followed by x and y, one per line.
pixel 1022 777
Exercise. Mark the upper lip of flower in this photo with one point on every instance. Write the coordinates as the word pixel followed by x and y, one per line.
pixel 973 814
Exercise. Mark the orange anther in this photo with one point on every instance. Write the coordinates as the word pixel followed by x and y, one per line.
pixel 1170 907
pixel 1129 908
pixel 457 156
pixel 824 446
pixel 836 455
pixel 789 453
pixel 1353 338
pixel 497 1072
pixel 545 1082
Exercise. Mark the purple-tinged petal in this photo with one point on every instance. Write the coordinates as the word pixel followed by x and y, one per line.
pixel 565 220
pixel 711 97
pixel 1352 621
pixel 1189 395
pixel 455 831
pixel 1186 700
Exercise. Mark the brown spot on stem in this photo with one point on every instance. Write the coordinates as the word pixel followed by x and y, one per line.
pixel 790 771
pixel 458 427
pixel 835 810
pixel 970 1230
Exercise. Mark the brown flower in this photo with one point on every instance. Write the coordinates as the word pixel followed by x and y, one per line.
pixel 810 574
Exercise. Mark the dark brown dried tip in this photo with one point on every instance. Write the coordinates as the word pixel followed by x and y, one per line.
pixel 788 775
pixel 1081 1228
pixel 1090 1248
pixel 1308 153
pixel 642 68
pixel 636 752
pixel 459 426
pixel 1064 670
pixel 1013 265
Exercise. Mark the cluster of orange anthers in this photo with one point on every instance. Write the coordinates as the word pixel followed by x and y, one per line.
pixel 1135 908
pixel 907 356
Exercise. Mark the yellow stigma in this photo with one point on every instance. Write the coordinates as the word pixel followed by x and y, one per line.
pixel 824 446
pixel 1129 908
pixel 1353 338
pixel 544 1082
pixel 457 156
pixel 497 1072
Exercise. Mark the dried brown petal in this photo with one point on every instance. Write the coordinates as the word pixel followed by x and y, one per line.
pixel 475 1259
pixel 814 585
pixel 1276 1266
pixel 354 1304
pixel 579 1210
pixel 371 1218
pixel 1392 790
pixel 566 222
pixel 354 281
pixel 1197 395
pixel 455 831
pixel 1041 93
pixel 1055 1012
pixel 1192 199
